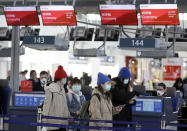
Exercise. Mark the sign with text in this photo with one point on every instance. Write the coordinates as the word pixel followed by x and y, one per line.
pixel 39 40
pixel 58 15
pixel 26 86
pixel 118 15
pixel 172 69
pixel 148 105
pixel 21 16
pixel 137 43
pixel 28 99
pixel 159 14
pixel 171 73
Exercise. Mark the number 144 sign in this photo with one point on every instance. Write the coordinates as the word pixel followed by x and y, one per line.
pixel 137 43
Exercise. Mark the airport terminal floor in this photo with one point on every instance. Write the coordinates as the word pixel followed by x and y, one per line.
pixel 93 65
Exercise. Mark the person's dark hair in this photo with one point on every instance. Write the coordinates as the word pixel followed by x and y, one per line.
pixel 108 94
pixel 163 85
pixel 70 80
pixel 25 71
pixel 76 81
pixel 179 80
pixel 32 71
pixel 109 76
pixel 43 73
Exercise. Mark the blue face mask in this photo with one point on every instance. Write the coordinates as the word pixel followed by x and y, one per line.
pixel 108 87
pixel 126 81
pixel 76 88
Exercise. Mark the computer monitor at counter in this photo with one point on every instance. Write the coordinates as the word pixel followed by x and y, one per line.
pixel 148 105
pixel 140 89
pixel 32 99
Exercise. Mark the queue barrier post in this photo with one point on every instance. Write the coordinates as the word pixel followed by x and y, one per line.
pixel 39 119
pixel 1 123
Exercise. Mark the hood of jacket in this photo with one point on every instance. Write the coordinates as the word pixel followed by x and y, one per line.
pixel 96 91
pixel 53 87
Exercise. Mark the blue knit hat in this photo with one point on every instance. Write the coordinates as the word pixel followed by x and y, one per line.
pixel 124 73
pixel 101 79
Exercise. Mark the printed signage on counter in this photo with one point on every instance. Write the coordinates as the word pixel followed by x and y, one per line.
pixel 172 69
pixel 171 72
pixel 58 15
pixel 118 14
pixel 21 16
pixel 159 14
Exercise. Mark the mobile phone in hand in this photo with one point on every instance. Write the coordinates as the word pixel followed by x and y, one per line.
pixel 122 105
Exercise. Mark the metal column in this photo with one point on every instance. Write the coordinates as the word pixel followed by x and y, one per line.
pixel 166 29
pixel 174 39
pixel 14 78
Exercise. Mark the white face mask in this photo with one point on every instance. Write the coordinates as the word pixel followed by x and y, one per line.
pixel 43 81
pixel 160 93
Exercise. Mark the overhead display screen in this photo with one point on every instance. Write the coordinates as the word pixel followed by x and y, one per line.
pixel 58 15
pixel 21 16
pixel 148 105
pixel 159 14
pixel 118 15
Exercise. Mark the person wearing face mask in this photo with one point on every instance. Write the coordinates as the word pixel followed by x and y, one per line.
pixel 179 86
pixel 102 109
pixel 161 90
pixel 55 101
pixel 39 86
pixel 75 100
pixel 121 95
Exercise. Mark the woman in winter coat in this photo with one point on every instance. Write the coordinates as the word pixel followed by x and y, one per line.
pixel 55 101
pixel 75 100
pixel 101 108
pixel 121 95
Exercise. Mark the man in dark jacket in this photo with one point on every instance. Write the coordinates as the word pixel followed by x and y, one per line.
pixel 121 96
pixel 39 86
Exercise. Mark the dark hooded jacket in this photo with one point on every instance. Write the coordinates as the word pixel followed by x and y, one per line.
pixel 121 96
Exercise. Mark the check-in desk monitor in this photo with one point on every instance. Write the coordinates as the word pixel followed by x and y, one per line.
pixel 148 105
pixel 153 109
pixel 32 99
pixel 140 89
pixel 148 109
pixel 25 103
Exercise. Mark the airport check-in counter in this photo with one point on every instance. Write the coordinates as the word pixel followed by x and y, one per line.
pixel 153 109
pixel 25 104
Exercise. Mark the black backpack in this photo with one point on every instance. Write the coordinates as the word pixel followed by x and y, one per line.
pixel 85 110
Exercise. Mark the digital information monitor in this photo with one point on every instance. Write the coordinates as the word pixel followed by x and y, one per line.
pixel 21 16
pixel 159 14
pixel 148 105
pixel 28 99
pixel 118 15
pixel 58 15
